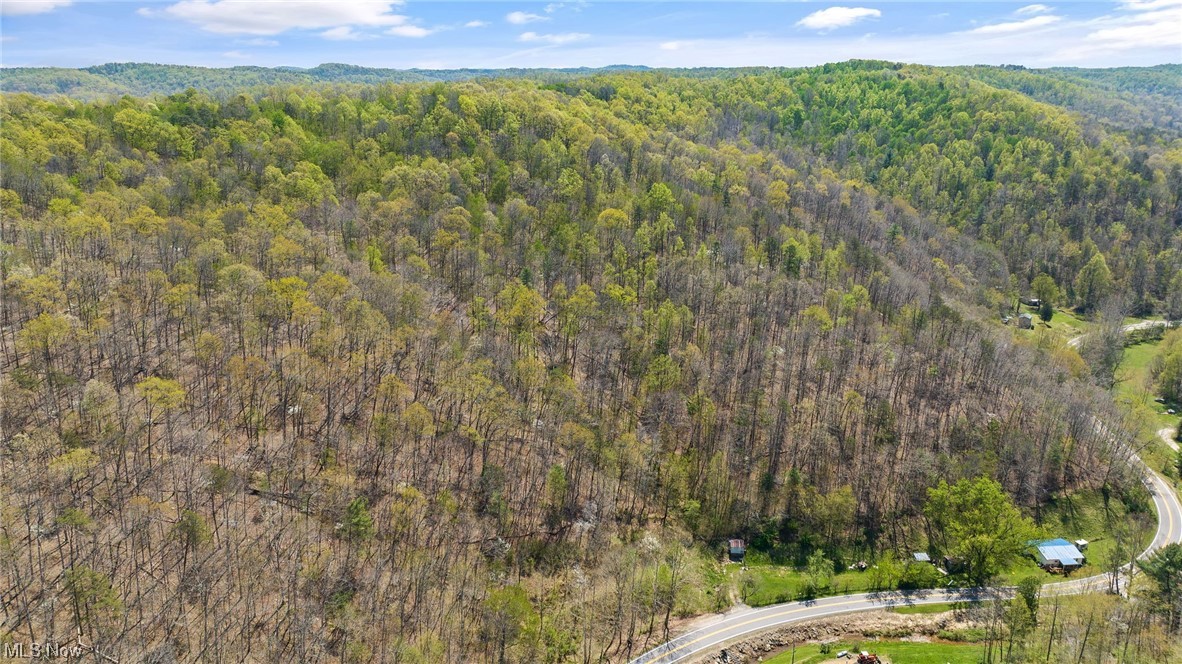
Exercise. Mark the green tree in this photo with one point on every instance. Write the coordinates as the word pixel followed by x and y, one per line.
pixel 1030 592
pixel 1164 568
pixel 1045 288
pixel 1045 311
pixel 358 524
pixel 520 309
pixel 162 396
pixel 1093 283
pixel 818 573
pixel 975 521
pixel 191 532
pixel 96 602
pixel 506 611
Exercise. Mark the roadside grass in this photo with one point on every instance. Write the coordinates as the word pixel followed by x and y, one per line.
pixel 923 609
pixel 900 652
pixel 765 583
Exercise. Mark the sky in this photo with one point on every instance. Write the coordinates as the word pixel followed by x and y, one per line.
pixel 441 34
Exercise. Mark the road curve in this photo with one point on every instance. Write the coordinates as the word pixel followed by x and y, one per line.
pixel 736 626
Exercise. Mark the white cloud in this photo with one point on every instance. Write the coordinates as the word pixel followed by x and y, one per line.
pixel 575 6
pixel 26 7
pixel 1148 5
pixel 412 31
pixel 1032 9
pixel 257 41
pixel 562 38
pixel 521 18
pixel 1015 26
pixel 271 18
pixel 342 33
pixel 1141 30
pixel 837 17
pixel 476 24
pixel 235 55
pixel 670 46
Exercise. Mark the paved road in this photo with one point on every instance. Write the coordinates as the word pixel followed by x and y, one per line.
pixel 735 626
pixel 738 625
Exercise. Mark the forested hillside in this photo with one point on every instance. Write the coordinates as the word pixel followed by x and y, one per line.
pixel 141 79
pixel 488 370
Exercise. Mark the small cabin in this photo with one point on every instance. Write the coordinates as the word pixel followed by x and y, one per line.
pixel 1031 301
pixel 921 557
pixel 737 550
pixel 1058 555
pixel 1026 321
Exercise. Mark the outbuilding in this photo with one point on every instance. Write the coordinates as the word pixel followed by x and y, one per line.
pixel 737 550
pixel 1058 554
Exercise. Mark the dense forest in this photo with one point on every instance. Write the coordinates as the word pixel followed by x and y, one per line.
pixel 488 369
pixel 141 79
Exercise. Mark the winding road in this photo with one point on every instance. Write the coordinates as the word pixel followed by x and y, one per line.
pixel 737 625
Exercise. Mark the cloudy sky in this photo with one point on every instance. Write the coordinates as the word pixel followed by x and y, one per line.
pixel 440 34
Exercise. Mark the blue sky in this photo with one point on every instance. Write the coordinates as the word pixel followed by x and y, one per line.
pixel 435 34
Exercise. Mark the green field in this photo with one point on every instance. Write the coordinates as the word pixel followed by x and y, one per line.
pixel 1063 324
pixel 900 652
pixel 1134 390
pixel 771 584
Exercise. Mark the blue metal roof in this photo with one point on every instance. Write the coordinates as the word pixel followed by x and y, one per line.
pixel 1061 550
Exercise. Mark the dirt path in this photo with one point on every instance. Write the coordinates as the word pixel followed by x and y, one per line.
pixel 1167 434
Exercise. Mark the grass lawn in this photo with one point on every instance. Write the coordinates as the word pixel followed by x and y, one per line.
pixel 1134 390
pixel 900 652
pixel 1064 324
pixel 1083 515
pixel 771 584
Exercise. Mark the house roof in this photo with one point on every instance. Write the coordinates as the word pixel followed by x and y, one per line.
pixel 922 557
pixel 1059 549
